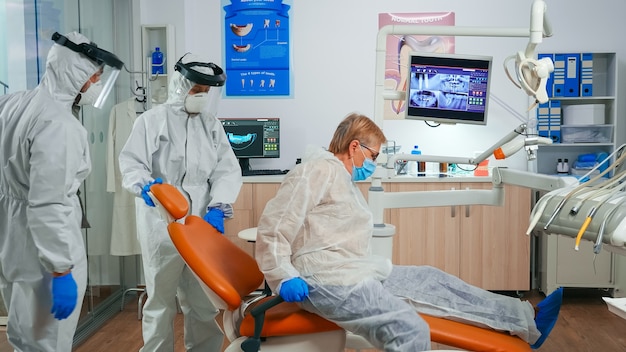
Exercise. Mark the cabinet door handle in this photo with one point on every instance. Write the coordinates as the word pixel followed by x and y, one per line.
pixel 453 207
pixel 467 207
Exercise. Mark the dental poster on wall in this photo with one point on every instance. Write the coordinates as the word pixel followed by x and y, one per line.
pixel 257 48
pixel 399 46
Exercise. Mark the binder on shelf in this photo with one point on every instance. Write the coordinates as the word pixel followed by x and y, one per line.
pixel 555 121
pixel 543 120
pixel 586 75
pixel 572 75
pixel 543 129
pixel 559 75
pixel 550 81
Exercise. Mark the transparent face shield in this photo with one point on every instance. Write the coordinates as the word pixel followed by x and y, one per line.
pixel 202 99
pixel 210 76
pixel 111 65
pixel 107 80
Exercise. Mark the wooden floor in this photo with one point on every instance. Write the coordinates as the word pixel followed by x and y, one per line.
pixel 584 325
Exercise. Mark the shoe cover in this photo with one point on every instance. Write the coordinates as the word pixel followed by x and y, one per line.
pixel 548 314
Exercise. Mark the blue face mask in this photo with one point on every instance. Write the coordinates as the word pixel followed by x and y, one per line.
pixel 365 171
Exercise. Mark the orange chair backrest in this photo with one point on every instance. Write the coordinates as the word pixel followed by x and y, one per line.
pixel 224 268
pixel 171 199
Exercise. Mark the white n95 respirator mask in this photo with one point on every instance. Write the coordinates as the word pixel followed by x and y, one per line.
pixel 195 104
pixel 93 92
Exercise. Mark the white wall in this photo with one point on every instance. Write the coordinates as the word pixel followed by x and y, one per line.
pixel 334 59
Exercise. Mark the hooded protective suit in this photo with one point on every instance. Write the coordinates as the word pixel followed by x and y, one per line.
pixel 319 227
pixel 44 157
pixel 191 152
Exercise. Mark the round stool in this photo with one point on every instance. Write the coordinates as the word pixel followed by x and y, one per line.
pixel 249 235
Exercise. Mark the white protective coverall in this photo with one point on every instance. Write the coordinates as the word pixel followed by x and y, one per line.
pixel 319 226
pixel 191 152
pixel 44 157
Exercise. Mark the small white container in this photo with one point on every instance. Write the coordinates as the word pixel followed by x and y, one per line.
pixel 587 114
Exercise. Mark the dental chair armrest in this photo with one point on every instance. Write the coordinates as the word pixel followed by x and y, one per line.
pixel 253 344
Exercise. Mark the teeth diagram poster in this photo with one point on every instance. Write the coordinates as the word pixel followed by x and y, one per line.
pixel 399 47
pixel 257 49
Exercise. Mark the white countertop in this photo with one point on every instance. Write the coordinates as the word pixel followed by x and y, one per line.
pixel 401 178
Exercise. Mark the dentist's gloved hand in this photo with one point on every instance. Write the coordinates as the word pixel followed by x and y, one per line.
pixel 64 296
pixel 146 189
pixel 294 290
pixel 215 217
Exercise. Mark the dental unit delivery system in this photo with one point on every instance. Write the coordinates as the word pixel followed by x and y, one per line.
pixel 594 210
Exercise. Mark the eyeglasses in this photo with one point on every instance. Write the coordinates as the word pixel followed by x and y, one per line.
pixel 374 153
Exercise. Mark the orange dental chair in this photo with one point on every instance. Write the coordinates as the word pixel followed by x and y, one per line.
pixel 230 277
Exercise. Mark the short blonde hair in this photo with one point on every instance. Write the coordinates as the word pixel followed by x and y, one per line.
pixel 355 126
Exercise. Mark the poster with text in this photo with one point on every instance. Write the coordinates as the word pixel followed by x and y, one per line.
pixel 257 48
pixel 399 46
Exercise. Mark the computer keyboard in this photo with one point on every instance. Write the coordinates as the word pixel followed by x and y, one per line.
pixel 263 172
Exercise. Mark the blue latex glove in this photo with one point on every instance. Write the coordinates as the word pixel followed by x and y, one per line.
pixel 215 217
pixel 64 296
pixel 294 290
pixel 146 189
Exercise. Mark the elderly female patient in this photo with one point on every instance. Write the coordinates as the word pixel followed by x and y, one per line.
pixel 313 247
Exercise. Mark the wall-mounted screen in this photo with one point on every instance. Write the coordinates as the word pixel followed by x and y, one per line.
pixel 448 88
pixel 253 138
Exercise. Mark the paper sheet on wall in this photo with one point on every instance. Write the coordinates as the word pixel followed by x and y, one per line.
pixel 398 47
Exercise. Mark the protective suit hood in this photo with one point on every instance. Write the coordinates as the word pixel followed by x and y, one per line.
pixel 180 86
pixel 67 71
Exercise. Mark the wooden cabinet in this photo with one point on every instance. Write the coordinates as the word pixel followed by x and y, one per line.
pixel 248 209
pixel 242 219
pixel 484 245
pixel 495 250
pixel 426 236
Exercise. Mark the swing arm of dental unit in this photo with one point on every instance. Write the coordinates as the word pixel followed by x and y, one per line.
pixel 379 200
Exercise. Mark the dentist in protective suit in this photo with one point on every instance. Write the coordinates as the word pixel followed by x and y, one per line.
pixel 182 143
pixel 44 157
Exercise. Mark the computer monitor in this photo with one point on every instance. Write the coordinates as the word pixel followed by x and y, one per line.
pixel 448 88
pixel 253 138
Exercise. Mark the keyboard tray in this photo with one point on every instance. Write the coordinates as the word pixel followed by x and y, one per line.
pixel 263 172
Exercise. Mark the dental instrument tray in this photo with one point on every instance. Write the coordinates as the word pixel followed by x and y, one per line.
pixel 609 219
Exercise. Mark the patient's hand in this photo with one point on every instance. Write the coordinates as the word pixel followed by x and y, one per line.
pixel 294 290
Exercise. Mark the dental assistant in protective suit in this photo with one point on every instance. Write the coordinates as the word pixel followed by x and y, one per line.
pixel 43 160
pixel 313 245
pixel 182 143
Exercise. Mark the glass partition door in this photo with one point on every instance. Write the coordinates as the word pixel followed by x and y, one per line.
pixel 32 23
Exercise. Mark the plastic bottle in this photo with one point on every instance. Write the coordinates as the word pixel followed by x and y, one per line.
pixel 157 61
pixel 413 166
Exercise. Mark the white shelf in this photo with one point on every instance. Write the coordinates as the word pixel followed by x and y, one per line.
pixel 559 264
pixel 161 36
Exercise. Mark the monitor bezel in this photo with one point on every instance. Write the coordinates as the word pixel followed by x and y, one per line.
pixel 449 60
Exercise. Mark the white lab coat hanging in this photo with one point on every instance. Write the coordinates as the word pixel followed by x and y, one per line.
pixel 124 227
